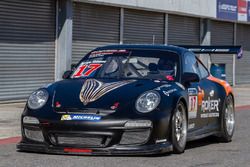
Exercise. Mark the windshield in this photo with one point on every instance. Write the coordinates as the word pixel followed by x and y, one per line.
pixel 138 64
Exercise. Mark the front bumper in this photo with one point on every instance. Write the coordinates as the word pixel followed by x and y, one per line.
pixel 114 150
pixel 68 137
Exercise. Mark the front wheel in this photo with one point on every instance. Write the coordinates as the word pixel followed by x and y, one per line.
pixel 228 120
pixel 179 128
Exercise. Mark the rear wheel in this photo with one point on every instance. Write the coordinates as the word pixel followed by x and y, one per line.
pixel 228 120
pixel 179 129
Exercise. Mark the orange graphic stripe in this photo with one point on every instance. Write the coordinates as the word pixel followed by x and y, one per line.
pixel 223 83
pixel 201 95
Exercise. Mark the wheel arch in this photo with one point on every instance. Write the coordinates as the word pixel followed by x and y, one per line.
pixel 176 148
pixel 184 101
pixel 232 95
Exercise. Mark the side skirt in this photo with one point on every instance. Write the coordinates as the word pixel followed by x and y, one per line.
pixel 203 132
pixel 200 136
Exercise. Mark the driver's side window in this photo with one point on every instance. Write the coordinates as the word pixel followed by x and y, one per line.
pixel 190 63
pixel 202 69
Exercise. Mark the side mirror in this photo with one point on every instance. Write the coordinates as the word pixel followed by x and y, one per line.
pixel 188 77
pixel 66 74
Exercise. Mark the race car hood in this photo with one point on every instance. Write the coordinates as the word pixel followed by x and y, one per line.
pixel 98 93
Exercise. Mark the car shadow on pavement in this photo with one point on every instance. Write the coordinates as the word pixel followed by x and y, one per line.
pixel 202 142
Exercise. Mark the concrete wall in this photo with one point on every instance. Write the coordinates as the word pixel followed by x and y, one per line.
pixel 201 8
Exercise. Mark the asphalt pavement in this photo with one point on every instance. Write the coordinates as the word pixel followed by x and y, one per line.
pixel 206 152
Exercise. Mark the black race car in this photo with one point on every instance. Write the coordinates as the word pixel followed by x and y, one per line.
pixel 129 99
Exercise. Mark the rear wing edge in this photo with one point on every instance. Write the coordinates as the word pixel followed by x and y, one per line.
pixel 203 49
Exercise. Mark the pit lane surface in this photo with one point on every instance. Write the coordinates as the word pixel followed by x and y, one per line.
pixel 203 153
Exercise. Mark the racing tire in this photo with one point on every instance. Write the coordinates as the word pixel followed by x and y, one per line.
pixel 179 129
pixel 227 120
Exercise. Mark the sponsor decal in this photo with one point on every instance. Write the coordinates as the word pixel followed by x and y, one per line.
pixel 210 105
pixel 101 53
pixel 211 93
pixel 80 117
pixel 66 117
pixel 208 50
pixel 168 92
pixel 192 91
pixel 193 104
pixel 210 115
pixel 163 86
pixel 93 89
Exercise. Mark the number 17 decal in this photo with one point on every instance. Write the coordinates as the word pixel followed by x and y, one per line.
pixel 86 70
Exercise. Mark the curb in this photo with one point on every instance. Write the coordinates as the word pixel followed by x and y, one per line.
pixel 10 140
pixel 241 108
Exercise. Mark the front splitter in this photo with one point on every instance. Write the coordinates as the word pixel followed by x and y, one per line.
pixel 114 150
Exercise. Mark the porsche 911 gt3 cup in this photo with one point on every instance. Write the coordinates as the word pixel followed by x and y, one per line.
pixel 129 99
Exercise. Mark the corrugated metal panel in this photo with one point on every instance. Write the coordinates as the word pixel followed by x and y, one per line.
pixel 243 35
pixel 143 27
pixel 243 65
pixel 242 71
pixel 183 30
pixel 93 26
pixel 224 59
pixel 222 33
pixel 27 46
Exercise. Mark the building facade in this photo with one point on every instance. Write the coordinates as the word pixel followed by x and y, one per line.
pixel 40 39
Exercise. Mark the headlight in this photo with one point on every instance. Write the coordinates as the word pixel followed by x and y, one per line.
pixel 38 99
pixel 148 101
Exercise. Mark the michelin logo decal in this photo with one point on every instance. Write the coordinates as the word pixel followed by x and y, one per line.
pixel 80 117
